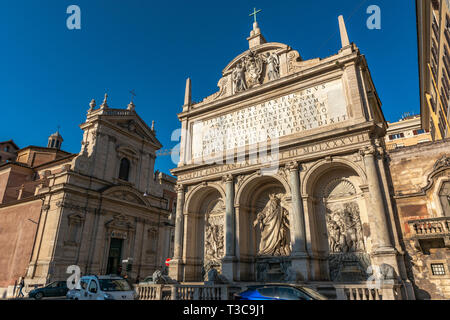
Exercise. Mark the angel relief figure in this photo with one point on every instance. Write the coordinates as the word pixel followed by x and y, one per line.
pixel 273 66
pixel 239 78
pixel 273 223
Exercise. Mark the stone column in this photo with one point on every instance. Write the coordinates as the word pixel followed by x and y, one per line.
pixel 175 264
pixel 376 196
pixel 228 259
pixel 299 256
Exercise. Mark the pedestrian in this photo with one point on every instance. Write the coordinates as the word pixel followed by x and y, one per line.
pixel 21 285
pixel 138 279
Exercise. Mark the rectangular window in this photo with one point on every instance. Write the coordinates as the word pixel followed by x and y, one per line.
pixel 396 136
pixel 438 269
pixel 417 132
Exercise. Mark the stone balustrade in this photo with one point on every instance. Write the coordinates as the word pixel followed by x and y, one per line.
pixel 364 292
pixel 425 228
pixel 359 291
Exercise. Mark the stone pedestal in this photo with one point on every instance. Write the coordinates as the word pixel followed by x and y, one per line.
pixel 176 269
pixel 228 268
pixel 300 267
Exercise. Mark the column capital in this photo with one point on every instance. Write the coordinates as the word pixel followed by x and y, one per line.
pixel 227 178
pixel 179 188
pixel 292 166
pixel 368 150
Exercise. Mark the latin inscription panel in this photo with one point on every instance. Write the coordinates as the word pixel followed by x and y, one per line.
pixel 290 114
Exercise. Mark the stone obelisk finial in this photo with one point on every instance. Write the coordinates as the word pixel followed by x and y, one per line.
pixel 188 93
pixel 344 36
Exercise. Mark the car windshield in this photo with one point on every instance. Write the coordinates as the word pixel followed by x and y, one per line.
pixel 114 285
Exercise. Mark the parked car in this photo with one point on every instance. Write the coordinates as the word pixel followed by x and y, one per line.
pixel 279 292
pixel 54 289
pixel 73 294
pixel 104 288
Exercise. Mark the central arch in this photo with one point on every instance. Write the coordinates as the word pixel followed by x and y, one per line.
pixel 260 239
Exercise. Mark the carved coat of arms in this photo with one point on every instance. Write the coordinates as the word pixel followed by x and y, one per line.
pixel 253 69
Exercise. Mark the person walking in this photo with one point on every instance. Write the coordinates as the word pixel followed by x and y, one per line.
pixel 21 285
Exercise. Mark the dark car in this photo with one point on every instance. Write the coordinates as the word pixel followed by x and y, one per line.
pixel 54 289
pixel 279 292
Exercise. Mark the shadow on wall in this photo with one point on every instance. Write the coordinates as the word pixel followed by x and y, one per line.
pixel 419 293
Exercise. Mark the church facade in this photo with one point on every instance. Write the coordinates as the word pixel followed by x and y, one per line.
pixel 94 210
pixel 283 174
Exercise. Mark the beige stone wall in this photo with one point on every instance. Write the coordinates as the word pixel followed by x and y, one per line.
pixel 415 193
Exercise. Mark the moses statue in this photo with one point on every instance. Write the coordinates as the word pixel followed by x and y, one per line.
pixel 273 222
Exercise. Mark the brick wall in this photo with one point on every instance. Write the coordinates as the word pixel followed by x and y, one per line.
pixel 18 225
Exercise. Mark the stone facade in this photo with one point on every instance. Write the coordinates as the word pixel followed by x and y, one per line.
pixel 421 189
pixel 314 204
pixel 8 151
pixel 92 209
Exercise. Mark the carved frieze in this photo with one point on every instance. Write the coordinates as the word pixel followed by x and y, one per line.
pixel 74 207
pixel 307 149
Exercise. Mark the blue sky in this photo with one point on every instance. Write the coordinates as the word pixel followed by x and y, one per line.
pixel 49 74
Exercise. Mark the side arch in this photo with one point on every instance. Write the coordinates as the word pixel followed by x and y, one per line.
pixel 320 167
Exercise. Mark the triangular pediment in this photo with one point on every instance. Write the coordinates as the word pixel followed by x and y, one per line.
pixel 129 122
pixel 127 194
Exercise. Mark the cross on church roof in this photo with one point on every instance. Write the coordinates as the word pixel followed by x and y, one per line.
pixel 255 12
pixel 132 95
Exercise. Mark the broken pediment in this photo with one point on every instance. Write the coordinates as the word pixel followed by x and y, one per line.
pixel 257 66
pixel 120 222
pixel 126 194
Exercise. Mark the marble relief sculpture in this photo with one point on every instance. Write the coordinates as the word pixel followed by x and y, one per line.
pixel 344 228
pixel 248 72
pixel 273 223
pixel 273 66
pixel 214 234
pixel 253 69
pixel 239 78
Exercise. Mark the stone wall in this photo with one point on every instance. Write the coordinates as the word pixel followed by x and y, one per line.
pixel 18 224
pixel 417 178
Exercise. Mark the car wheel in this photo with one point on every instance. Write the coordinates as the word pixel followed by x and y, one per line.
pixel 38 296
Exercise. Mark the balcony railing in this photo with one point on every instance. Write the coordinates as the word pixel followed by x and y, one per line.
pixel 430 228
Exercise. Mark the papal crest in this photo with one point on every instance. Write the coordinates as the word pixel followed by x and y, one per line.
pixel 253 69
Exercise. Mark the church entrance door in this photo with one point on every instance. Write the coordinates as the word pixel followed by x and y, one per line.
pixel 115 256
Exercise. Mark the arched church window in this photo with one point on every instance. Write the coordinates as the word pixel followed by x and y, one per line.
pixel 124 169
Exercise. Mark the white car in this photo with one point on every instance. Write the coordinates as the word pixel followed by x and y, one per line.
pixel 103 288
